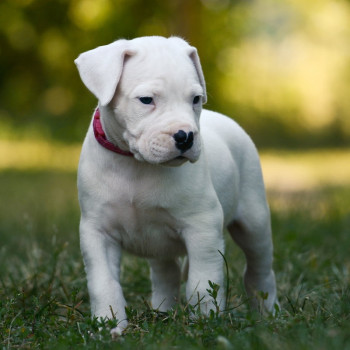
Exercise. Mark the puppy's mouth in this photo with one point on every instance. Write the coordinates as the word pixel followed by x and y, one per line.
pixel 162 150
pixel 178 161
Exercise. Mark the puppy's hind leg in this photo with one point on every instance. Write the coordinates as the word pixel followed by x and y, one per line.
pixel 252 233
pixel 166 279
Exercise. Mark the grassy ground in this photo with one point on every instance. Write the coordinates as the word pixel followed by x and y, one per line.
pixel 43 295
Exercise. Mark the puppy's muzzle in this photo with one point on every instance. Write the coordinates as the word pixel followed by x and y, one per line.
pixel 183 140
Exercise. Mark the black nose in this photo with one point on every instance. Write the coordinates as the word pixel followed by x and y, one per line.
pixel 183 141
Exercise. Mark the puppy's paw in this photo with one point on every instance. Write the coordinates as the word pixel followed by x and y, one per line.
pixel 116 332
pixel 262 292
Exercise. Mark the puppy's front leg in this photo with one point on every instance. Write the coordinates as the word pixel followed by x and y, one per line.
pixel 205 264
pixel 102 264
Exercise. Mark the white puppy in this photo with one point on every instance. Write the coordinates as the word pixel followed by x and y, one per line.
pixel 161 178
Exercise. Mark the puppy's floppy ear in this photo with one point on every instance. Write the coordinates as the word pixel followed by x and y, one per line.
pixel 100 69
pixel 197 64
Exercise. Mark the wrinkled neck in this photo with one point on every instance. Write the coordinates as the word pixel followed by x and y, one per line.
pixel 112 128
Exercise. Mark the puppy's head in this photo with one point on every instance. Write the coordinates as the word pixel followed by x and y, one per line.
pixel 150 92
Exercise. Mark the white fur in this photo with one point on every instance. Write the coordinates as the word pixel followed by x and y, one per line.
pixel 157 205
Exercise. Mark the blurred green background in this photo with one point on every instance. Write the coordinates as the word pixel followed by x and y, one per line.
pixel 281 68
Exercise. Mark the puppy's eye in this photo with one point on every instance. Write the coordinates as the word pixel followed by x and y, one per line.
pixel 146 100
pixel 196 99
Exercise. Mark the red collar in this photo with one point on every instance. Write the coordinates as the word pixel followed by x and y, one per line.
pixel 101 136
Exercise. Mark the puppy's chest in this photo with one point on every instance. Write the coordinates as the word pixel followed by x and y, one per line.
pixel 145 228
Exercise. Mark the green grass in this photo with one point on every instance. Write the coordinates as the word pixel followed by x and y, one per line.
pixel 44 301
